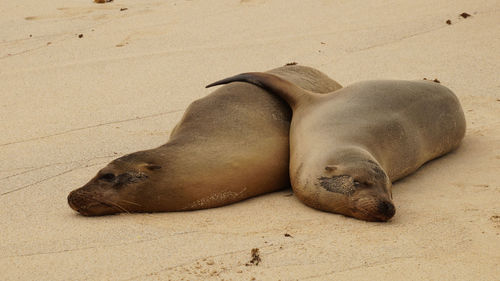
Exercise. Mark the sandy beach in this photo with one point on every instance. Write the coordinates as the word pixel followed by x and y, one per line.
pixel 83 83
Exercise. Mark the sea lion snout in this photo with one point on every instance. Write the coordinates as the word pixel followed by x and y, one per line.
pixel 372 207
pixel 79 202
pixel 386 209
pixel 86 204
pixel 73 200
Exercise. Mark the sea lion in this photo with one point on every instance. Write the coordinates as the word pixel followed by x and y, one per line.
pixel 228 146
pixel 347 147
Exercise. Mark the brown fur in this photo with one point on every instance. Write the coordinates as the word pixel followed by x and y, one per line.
pixel 230 145
pixel 348 146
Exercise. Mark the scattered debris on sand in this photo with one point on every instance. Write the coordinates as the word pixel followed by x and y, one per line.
pixel 435 80
pixel 255 257
pixel 465 15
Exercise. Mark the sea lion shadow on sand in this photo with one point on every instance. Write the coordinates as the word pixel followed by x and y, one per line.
pixel 228 146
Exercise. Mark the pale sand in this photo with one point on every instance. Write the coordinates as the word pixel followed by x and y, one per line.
pixel 69 105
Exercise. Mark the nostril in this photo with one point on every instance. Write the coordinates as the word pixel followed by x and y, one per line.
pixel 387 208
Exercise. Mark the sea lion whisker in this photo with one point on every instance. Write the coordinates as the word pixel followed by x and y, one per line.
pixel 119 207
pixel 130 202
pixel 104 201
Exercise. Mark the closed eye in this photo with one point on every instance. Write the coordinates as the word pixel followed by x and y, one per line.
pixel 107 177
pixel 361 183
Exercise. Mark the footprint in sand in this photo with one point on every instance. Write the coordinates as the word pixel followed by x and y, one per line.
pixel 496 220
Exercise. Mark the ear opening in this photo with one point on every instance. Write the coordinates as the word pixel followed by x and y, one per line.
pixel 151 167
pixel 331 168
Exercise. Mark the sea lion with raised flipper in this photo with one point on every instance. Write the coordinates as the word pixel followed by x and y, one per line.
pixel 347 147
pixel 228 146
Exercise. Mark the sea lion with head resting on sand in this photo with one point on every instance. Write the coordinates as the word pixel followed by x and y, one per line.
pixel 347 147
pixel 229 145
